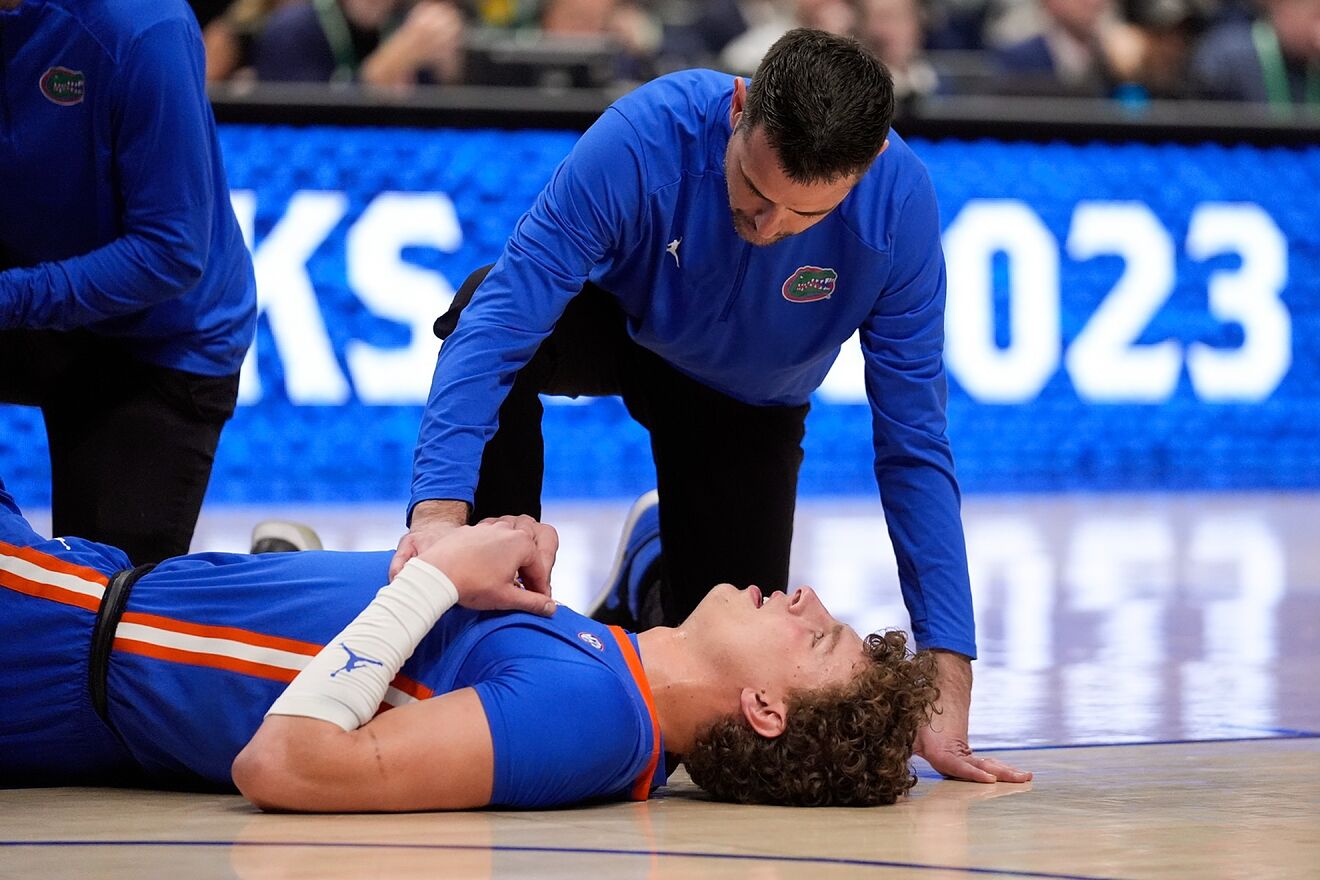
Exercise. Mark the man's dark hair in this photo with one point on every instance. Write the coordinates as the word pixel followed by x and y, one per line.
pixel 825 103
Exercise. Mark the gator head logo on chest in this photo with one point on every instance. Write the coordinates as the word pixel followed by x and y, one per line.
pixel 63 86
pixel 810 283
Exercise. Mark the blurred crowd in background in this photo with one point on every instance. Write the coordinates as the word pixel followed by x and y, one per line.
pixel 1265 51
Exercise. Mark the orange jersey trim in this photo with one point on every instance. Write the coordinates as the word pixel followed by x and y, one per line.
pixel 213 661
pixel 414 689
pixel 54 563
pixel 20 584
pixel 210 659
pixel 231 633
pixel 642 787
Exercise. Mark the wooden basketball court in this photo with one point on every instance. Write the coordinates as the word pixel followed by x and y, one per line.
pixel 1153 659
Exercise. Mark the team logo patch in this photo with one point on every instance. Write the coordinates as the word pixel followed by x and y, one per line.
pixel 591 640
pixel 63 86
pixel 809 284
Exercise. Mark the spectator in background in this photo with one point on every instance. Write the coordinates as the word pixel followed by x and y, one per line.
pixel 231 37
pixel 695 33
pixel 379 42
pixel 1167 29
pixel 745 53
pixel 637 34
pixel 893 29
pixel 1082 49
pixel 127 300
pixel 503 13
pixel 207 10
pixel 1274 59
pixel 958 25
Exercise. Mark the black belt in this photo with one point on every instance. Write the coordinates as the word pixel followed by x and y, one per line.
pixel 103 632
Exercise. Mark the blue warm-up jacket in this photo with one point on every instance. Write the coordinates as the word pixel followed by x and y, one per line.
pixel 761 324
pixel 114 210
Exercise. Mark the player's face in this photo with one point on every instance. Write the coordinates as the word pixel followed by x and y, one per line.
pixel 767 205
pixel 781 642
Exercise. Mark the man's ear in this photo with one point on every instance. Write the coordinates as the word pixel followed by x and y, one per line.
pixel 767 717
pixel 739 101
pixel 883 147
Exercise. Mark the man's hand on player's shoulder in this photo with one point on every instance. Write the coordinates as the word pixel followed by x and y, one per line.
pixel 431 521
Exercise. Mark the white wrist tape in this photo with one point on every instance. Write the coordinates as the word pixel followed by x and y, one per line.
pixel 346 682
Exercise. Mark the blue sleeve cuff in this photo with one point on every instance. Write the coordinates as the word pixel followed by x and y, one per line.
pixel 956 645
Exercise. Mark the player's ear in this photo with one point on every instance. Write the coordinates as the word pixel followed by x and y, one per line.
pixel 738 103
pixel 767 716
pixel 883 147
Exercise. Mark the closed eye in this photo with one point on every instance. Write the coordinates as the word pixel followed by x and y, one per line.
pixel 756 192
pixel 835 634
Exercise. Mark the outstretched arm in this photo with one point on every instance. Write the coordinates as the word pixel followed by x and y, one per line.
pixel 903 343
pixel 593 205
pixel 322 748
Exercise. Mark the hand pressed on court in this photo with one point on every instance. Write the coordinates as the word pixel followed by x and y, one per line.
pixel 943 742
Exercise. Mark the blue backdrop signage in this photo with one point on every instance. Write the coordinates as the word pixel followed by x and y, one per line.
pixel 1119 317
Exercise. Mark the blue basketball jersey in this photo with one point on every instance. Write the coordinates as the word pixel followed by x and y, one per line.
pixel 208 641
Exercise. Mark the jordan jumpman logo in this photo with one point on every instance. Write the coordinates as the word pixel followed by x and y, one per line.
pixel 672 250
pixel 354 661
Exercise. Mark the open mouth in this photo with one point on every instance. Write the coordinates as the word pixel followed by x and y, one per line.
pixel 757 598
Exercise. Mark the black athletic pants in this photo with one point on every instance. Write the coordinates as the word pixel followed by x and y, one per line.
pixel 131 444
pixel 727 471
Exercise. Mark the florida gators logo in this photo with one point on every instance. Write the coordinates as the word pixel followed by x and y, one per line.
pixel 810 284
pixel 63 86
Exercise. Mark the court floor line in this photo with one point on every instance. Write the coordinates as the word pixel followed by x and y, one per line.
pixel 554 850
pixel 1273 736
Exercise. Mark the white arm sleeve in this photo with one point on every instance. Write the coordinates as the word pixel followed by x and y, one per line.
pixel 345 683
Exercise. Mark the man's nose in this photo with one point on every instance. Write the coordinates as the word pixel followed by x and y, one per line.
pixel 769 220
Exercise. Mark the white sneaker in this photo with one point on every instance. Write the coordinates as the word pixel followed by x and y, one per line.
pixel 283 536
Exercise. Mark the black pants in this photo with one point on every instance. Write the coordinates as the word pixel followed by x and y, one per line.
pixel 727 471
pixel 131 444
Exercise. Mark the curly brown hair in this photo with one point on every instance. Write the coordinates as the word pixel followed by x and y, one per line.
pixel 841 746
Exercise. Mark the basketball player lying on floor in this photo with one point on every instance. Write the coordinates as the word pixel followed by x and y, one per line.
pixel 219 670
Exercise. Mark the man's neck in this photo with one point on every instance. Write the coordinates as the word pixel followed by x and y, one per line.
pixel 688 694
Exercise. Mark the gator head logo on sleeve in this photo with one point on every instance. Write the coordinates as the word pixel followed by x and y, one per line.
pixel 810 283
pixel 63 86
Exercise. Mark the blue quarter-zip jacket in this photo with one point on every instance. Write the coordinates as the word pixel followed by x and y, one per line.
pixel 114 210
pixel 761 324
